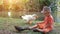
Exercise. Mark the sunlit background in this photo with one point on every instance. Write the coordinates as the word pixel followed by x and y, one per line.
pixel 16 8
pixel 11 10
pixel 9 7
pixel 12 5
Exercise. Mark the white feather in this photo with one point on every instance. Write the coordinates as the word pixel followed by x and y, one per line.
pixel 29 17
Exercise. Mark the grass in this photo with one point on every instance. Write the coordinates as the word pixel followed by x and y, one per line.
pixel 7 26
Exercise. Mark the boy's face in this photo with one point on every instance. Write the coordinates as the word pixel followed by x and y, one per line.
pixel 46 13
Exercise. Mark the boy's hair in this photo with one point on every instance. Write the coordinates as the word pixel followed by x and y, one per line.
pixel 45 8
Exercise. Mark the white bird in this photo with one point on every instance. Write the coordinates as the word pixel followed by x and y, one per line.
pixel 29 18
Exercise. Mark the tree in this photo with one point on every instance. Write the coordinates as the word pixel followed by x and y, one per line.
pixel 48 3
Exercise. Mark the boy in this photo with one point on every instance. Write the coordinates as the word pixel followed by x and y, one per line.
pixel 45 26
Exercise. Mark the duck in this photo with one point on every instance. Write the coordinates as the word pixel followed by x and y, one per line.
pixel 29 18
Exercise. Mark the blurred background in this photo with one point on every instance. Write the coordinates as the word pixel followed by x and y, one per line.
pixel 11 10
pixel 17 8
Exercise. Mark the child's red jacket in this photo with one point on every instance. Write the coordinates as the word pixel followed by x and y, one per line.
pixel 47 25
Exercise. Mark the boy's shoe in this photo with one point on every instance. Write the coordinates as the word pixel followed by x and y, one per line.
pixel 19 28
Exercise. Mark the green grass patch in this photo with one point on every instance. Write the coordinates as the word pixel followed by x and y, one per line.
pixel 9 23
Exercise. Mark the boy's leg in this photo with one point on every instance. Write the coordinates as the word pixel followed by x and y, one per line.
pixel 25 28
pixel 35 30
pixel 21 28
pixel 18 28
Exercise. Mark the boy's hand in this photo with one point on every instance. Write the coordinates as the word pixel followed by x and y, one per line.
pixel 41 30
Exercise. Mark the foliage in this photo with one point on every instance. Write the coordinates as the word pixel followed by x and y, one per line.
pixel 48 3
pixel 29 5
